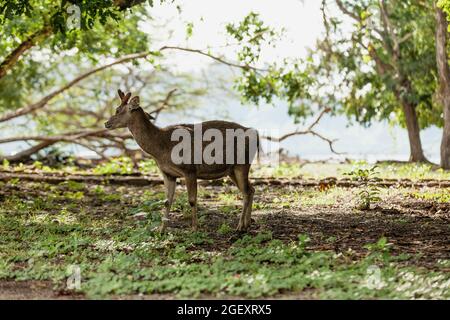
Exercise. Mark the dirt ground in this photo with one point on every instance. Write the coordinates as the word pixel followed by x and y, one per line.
pixel 413 226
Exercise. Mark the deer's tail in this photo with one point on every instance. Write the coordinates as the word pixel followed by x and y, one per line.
pixel 259 149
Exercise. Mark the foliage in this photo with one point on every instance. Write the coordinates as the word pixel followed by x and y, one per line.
pixel 369 69
pixel 60 57
pixel 120 165
pixel 148 167
pixel 445 6
pixel 56 60
pixel 224 229
pixel 370 193
pixel 288 80
pixel 58 14
pixel 355 72
pixel 124 166
pixel 251 33
pixel 440 197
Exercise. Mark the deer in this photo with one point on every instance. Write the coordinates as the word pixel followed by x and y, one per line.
pixel 159 143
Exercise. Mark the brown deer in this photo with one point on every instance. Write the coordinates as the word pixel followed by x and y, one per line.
pixel 159 144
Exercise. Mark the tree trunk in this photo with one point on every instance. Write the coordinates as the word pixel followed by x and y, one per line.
pixel 444 83
pixel 412 125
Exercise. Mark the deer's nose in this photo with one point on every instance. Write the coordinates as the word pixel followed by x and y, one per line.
pixel 107 125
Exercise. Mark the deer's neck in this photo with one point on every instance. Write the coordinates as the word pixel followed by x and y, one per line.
pixel 148 136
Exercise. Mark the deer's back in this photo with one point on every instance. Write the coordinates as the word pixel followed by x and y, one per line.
pixel 204 170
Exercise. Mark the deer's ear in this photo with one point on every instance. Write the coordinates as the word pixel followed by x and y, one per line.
pixel 134 103
pixel 121 94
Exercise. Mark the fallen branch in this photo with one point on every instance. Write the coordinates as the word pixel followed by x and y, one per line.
pixel 46 141
pixel 142 180
pixel 25 154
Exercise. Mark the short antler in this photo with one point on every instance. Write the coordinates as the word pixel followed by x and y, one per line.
pixel 124 97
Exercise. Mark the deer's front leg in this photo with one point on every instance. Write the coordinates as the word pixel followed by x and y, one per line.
pixel 169 184
pixel 191 185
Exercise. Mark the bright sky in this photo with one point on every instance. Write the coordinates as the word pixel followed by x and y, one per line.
pixel 301 21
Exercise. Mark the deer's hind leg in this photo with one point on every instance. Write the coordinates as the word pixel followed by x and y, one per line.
pixel 240 178
pixel 191 185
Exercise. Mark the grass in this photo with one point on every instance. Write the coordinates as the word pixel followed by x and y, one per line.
pixel 100 240
pixel 135 260
pixel 59 232
pixel 439 196
pixel 115 166
pixel 324 170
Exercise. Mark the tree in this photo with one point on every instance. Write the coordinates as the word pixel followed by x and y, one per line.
pixel 442 58
pixel 38 70
pixel 59 92
pixel 383 67
pixel 31 89
pixel 33 22
pixel 376 62
pixel 76 116
pixel 444 5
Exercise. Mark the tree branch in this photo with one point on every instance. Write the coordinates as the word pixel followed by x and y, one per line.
pixel 231 64
pixel 164 103
pixel 43 102
pixel 389 30
pixel 308 130
pixel 346 11
pixel 14 56
pixel 25 154
pixel 69 136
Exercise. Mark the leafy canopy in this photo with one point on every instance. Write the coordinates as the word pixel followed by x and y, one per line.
pixel 50 61
pixel 355 68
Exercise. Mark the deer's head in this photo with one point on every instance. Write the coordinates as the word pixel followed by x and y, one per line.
pixel 125 111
